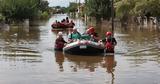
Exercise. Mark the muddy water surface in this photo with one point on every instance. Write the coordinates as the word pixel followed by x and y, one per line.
pixel 28 57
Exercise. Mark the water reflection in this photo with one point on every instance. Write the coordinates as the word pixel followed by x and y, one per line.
pixel 19 34
pixel 10 53
pixel 17 43
pixel 59 58
pixel 77 63
pixel 85 62
pixel 110 64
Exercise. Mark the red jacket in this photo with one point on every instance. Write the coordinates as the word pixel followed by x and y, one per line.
pixel 59 43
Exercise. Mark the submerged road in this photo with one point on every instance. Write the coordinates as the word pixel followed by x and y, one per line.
pixel 28 57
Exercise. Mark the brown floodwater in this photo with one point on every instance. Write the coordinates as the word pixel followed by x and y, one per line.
pixel 27 56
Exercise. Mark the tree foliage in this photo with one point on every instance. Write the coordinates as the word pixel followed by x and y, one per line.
pixel 137 7
pixel 43 6
pixel 19 9
pixel 22 9
pixel 149 6
pixel 124 7
pixel 72 7
pixel 99 8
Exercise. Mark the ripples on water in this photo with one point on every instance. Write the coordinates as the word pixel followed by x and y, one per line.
pixel 28 57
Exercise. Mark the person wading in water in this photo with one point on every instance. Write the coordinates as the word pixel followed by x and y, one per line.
pixel 60 42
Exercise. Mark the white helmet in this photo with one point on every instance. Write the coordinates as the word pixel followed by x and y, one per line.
pixel 60 33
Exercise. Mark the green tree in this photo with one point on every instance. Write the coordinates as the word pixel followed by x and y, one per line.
pixel 72 7
pixel 99 9
pixel 43 6
pixel 125 7
pixel 137 7
pixel 19 9
pixel 145 7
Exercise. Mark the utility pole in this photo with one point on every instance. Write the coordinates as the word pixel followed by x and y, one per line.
pixel 78 6
pixel 112 14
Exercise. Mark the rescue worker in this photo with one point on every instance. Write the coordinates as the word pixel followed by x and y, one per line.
pixel 110 42
pixel 60 42
pixel 91 32
pixel 74 35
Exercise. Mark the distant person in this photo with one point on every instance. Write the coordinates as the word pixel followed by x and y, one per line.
pixel 74 35
pixel 63 21
pixel 58 24
pixel 67 20
pixel 72 24
pixel 110 42
pixel 60 42
pixel 54 24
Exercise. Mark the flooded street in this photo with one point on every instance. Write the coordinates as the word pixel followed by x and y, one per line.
pixel 27 56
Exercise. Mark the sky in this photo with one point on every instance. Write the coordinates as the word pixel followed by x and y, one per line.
pixel 63 3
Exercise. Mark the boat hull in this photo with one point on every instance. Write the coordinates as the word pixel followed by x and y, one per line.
pixel 84 48
pixel 62 26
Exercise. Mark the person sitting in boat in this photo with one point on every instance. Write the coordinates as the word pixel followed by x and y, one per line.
pixel 71 24
pixel 74 35
pixel 110 42
pixel 54 24
pixel 60 42
pixel 67 20
pixel 58 24
pixel 63 23
pixel 63 20
pixel 91 32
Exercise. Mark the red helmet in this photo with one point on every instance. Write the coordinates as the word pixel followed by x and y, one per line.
pixel 90 30
pixel 108 33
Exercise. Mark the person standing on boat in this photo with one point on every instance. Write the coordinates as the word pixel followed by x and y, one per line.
pixel 60 42
pixel 74 35
pixel 110 42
